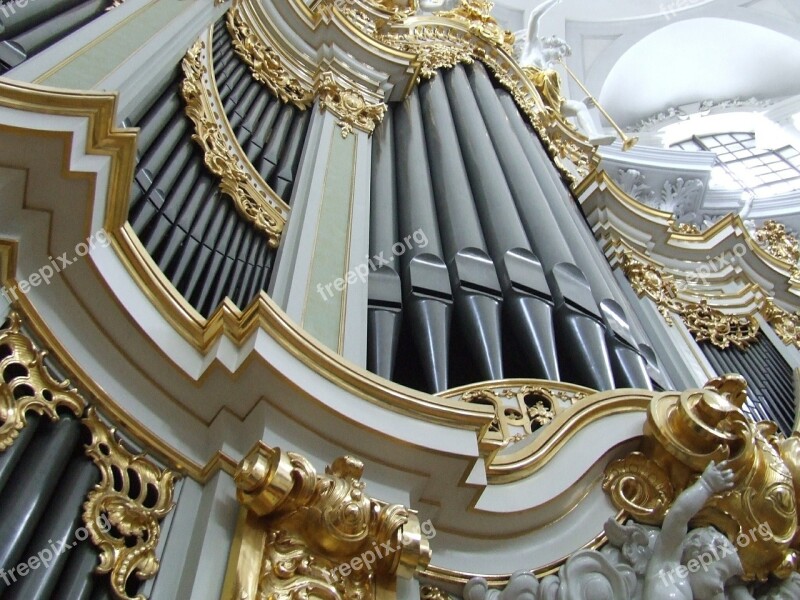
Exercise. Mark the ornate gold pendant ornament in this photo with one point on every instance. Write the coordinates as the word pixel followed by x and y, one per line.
pixel 703 321
pixel 222 154
pixel 774 238
pixel 27 384
pixel 684 431
pixel 308 535
pixel 785 324
pixel 134 495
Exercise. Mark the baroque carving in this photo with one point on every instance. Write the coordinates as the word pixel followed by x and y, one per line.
pixel 773 237
pixel 786 325
pixel 320 535
pixel 703 321
pixel 27 383
pixel 521 410
pixel 265 63
pixel 476 14
pixel 683 198
pixel 350 106
pixel 353 108
pixel 134 495
pixel 685 431
pixel 237 177
pixel 632 182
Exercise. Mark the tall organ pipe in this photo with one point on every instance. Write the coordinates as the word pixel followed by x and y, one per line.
pixel 473 279
pixel 427 294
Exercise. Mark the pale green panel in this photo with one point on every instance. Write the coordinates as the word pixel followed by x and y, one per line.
pixel 323 315
pixel 93 63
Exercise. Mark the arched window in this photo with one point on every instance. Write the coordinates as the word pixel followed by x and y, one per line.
pixel 741 164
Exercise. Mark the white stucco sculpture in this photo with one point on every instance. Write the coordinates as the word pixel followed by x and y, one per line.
pixel 541 54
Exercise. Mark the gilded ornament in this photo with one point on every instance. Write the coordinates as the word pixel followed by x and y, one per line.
pixel 248 192
pixel 786 325
pixel 686 228
pixel 265 63
pixel 778 242
pixel 349 106
pixel 134 495
pixel 684 432
pixel 721 330
pixel 476 14
pixel 431 592
pixel 310 535
pixel 703 321
pixel 27 384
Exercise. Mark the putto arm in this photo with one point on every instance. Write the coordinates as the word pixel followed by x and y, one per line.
pixel 716 478
pixel 536 15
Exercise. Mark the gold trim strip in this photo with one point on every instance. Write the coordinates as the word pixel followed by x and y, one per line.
pixel 223 155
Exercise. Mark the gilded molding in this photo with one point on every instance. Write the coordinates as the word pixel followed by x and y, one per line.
pixel 431 592
pixel 521 407
pixel 724 264
pixel 222 154
pixel 27 383
pixel 703 321
pixel 355 108
pixel 785 324
pixel 265 63
pixel 301 528
pixel 476 14
pixel 687 430
pixel 348 105
pixel 134 495
pixel 773 237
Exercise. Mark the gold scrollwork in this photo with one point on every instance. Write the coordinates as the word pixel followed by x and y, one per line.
pixel 247 192
pixel 778 242
pixel 306 534
pixel 431 592
pixel 476 14
pixel 265 63
pixel 785 324
pixel 687 430
pixel 703 321
pixel 134 495
pixel 353 108
pixel 348 105
pixel 28 384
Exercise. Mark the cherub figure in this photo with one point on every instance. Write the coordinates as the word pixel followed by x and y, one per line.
pixel 538 57
pixel 710 557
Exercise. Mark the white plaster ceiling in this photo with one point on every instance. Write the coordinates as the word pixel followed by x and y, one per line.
pixel 643 56
pixel 701 59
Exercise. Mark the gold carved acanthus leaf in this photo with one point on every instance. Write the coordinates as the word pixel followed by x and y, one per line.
pixel 684 432
pixel 134 495
pixel 785 324
pixel 348 105
pixel 355 108
pixel 778 242
pixel 703 321
pixel 222 154
pixel 28 384
pixel 266 65
pixel 301 527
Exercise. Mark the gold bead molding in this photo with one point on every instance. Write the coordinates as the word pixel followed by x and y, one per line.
pixel 683 433
pixel 133 495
